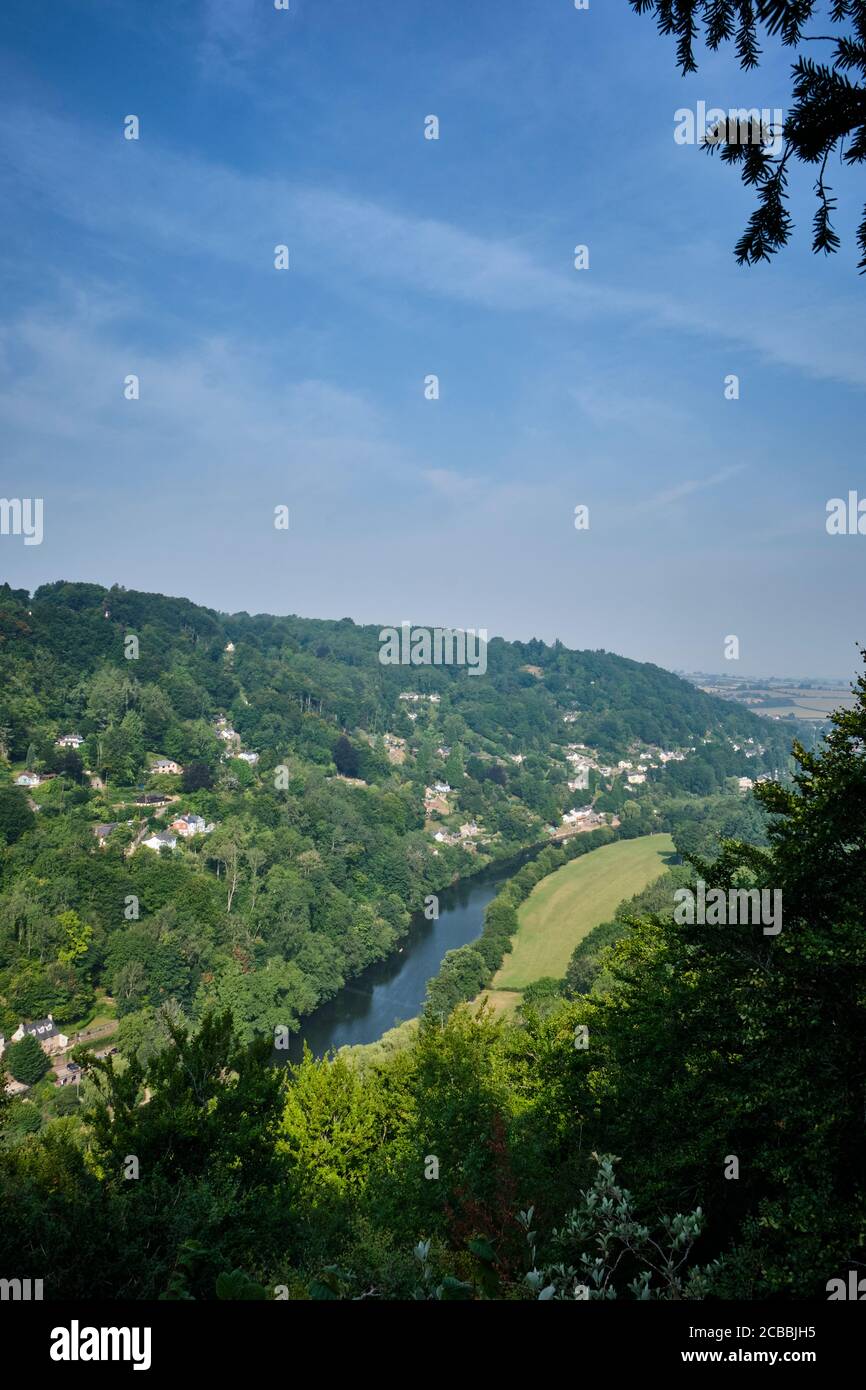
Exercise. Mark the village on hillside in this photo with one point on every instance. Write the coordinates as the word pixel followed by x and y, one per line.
pixel 166 812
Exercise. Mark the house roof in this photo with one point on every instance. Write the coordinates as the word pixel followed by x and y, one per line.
pixel 42 1028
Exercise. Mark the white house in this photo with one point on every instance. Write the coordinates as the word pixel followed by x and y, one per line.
pixel 46 1033
pixel 745 784
pixel 635 778
pixel 250 758
pixel 69 741
pixel 160 840
pixel 28 779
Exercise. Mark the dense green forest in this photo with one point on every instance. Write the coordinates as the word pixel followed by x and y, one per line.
pixel 313 779
pixel 725 1069
pixel 211 823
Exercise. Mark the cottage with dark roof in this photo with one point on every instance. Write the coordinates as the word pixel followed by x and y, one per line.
pixel 46 1033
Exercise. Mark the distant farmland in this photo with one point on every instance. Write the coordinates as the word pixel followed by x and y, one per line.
pixel 780 700
pixel 803 704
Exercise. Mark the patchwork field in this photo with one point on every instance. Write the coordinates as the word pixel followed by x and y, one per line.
pixel 806 704
pixel 803 704
pixel 563 907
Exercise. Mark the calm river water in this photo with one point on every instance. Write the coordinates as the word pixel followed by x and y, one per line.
pixel 394 989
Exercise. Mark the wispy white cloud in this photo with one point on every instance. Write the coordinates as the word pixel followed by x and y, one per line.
pixel 188 206
pixel 212 413
pixel 601 401
pixel 689 486
pixel 231 35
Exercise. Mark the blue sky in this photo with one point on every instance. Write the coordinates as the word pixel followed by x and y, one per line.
pixel 408 257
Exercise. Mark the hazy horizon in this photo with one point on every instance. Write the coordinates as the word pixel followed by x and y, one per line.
pixel 419 621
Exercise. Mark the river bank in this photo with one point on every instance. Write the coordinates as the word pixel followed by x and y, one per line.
pixel 393 990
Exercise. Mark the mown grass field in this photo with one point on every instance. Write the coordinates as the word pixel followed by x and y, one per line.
pixel 563 907
pixel 503 1002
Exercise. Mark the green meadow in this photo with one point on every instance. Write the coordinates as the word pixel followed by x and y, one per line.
pixel 563 907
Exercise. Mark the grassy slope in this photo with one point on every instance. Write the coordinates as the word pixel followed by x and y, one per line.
pixel 563 907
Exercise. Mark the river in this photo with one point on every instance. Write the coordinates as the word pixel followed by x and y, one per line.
pixel 394 989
